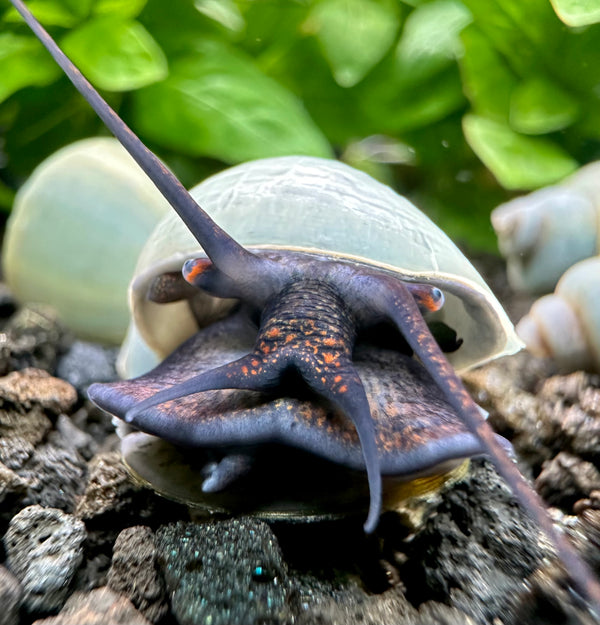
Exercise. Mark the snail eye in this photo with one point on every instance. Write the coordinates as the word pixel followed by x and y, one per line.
pixel 428 298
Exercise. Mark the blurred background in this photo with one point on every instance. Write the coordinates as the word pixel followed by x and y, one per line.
pixel 458 105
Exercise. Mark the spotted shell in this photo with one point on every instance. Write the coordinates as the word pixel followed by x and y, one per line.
pixel 321 207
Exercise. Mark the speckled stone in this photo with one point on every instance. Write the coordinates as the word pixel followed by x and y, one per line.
pixel 434 613
pixel 55 477
pixel 220 573
pixel 44 548
pixel 11 484
pixel 109 488
pixel 134 573
pixel 355 605
pixel 101 606
pixel 34 338
pixel 11 594
pixel 36 387
pixel 20 431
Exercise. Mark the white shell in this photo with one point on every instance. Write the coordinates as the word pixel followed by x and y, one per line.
pixel 566 324
pixel 322 206
pixel 75 234
pixel 542 234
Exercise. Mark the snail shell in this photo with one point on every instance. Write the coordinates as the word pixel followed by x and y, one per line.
pixel 542 234
pixel 566 325
pixel 75 233
pixel 321 207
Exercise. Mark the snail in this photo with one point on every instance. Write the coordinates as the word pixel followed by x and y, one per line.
pixel 307 309
pixel 566 324
pixel 551 239
pixel 542 234
pixel 92 185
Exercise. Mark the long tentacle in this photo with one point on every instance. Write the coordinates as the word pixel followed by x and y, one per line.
pixel 343 387
pixel 240 374
pixel 228 255
pixel 394 299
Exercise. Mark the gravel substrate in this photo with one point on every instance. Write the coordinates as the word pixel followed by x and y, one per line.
pixel 83 543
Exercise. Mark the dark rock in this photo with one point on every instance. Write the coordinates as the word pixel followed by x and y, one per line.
pixel 55 477
pixel 354 605
pixel 549 599
pixel 11 595
pixel 97 424
pixel 565 479
pixel 112 500
pixel 11 484
pixel 98 607
pixel 434 613
pixel 109 488
pixel 34 338
pixel 476 551
pixel 20 432
pixel 224 572
pixel 134 573
pixel 67 435
pixel 44 549
pixel 85 363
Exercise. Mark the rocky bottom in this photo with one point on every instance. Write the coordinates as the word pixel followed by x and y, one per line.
pixel 83 544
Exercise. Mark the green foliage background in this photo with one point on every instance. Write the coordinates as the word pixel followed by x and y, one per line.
pixel 457 104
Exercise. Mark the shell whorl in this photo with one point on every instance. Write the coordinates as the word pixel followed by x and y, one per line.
pixel 566 324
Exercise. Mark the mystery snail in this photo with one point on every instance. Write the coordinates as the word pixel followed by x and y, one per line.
pixel 545 232
pixel 76 202
pixel 565 325
pixel 308 311
pixel 551 238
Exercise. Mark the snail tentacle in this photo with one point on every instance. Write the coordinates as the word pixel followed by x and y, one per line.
pixel 393 298
pixel 231 258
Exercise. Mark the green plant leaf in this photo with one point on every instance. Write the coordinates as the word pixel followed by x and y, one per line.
pixel 225 12
pixel 353 34
pixel 63 13
pixel 119 8
pixel 539 106
pixel 217 103
pixel 23 63
pixel 487 80
pixel 116 54
pixel 577 12
pixel 419 83
pixel 526 33
pixel 431 38
pixel 517 161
